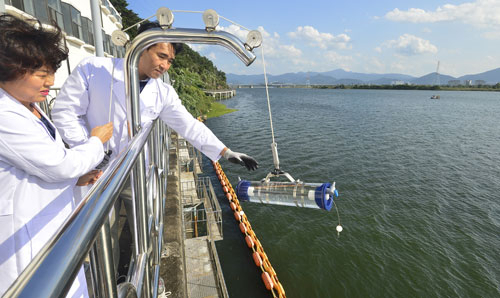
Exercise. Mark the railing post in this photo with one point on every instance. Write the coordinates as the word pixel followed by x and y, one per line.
pixel 107 279
pixel 138 176
pixel 94 271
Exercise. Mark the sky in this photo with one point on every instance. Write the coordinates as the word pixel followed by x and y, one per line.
pixel 383 36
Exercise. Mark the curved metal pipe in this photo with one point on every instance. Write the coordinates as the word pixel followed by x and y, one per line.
pixel 175 35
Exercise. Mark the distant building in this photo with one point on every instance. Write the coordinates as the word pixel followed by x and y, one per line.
pixel 75 19
pixel 479 82
pixel 468 82
pixel 454 82
pixel 398 83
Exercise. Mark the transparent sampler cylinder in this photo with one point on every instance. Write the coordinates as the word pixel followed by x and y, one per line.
pixel 297 194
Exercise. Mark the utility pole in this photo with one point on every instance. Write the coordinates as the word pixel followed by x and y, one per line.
pixel 96 21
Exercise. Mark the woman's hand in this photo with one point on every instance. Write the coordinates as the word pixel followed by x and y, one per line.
pixel 89 178
pixel 103 132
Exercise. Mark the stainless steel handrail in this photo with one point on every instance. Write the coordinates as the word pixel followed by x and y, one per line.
pixel 173 35
pixel 132 92
pixel 51 272
pixel 53 269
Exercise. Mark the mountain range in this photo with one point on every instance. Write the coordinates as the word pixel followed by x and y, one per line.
pixel 340 76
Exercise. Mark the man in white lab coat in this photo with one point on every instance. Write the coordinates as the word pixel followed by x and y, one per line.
pixel 83 102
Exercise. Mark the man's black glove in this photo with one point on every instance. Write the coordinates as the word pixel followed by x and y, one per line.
pixel 105 160
pixel 241 159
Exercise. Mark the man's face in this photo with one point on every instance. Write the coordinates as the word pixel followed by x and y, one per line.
pixel 156 60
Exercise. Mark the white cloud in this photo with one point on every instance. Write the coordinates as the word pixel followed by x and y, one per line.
pixel 376 64
pixel 273 47
pixel 481 13
pixel 235 30
pixel 492 35
pixel 333 59
pixel 410 45
pixel 211 56
pixel 321 40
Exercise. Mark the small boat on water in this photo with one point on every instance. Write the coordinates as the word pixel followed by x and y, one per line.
pixel 435 97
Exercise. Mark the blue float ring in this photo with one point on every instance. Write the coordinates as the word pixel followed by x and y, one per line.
pixel 242 190
pixel 320 197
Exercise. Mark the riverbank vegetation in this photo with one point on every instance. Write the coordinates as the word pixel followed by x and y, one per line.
pixel 413 87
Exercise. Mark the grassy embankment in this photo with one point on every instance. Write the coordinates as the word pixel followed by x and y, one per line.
pixel 218 109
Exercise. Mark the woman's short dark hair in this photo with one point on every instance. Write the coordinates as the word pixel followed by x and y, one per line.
pixel 25 46
pixel 150 25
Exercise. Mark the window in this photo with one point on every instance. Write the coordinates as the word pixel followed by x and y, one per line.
pixel 41 10
pixel 107 39
pixel 115 49
pixel 106 3
pixel 118 17
pixel 24 5
pixel 104 44
pixel 55 12
pixel 66 11
pixel 91 33
pixel 76 23
pixel 87 31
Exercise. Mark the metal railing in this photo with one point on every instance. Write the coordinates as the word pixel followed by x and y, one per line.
pixel 87 231
pixel 52 271
pixel 203 218
pixel 202 212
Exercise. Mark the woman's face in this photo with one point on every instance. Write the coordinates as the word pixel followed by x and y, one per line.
pixel 31 87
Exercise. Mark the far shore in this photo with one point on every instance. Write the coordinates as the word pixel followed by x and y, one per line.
pixel 389 87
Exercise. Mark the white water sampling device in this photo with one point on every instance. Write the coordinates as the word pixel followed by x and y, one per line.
pixel 292 192
pixel 297 194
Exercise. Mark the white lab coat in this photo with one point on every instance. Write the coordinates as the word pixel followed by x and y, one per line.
pixel 83 102
pixel 37 176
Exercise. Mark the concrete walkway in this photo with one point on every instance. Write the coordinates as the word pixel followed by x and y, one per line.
pixel 187 266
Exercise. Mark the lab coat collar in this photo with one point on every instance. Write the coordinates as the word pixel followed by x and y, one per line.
pixel 150 90
pixel 21 109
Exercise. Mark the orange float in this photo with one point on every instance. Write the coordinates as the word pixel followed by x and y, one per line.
pixel 233 206
pixel 257 259
pixel 260 258
pixel 243 228
pixel 249 241
pixel 267 281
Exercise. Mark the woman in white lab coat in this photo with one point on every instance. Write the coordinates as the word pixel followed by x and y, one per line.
pixel 37 172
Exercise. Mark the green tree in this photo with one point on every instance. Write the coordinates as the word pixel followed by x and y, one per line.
pixel 129 17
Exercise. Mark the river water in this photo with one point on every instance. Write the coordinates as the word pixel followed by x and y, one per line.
pixel 419 184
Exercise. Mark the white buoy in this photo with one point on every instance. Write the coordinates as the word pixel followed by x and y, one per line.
pixel 339 228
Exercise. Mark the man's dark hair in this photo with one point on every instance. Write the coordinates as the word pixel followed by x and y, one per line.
pixel 150 25
pixel 25 46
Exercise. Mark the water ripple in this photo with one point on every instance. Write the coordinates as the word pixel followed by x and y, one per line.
pixel 418 182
